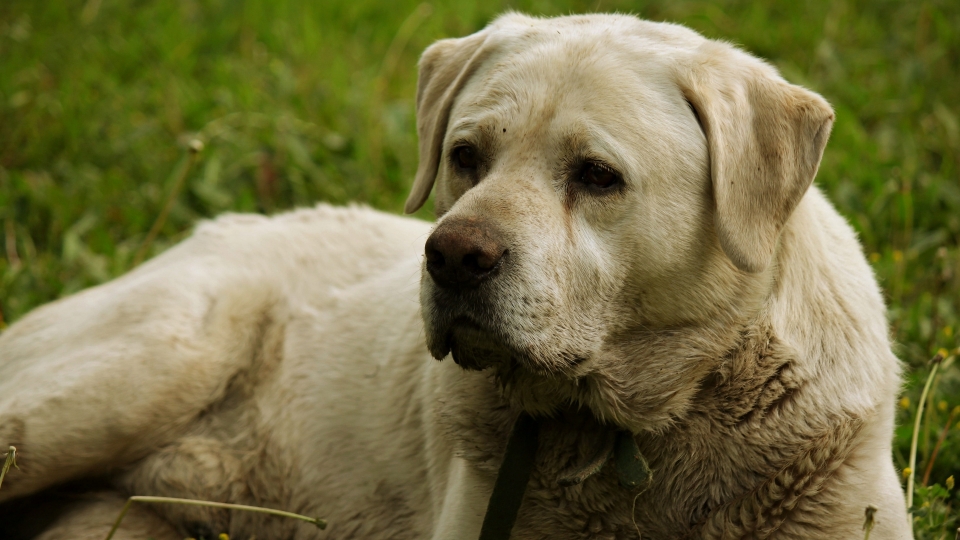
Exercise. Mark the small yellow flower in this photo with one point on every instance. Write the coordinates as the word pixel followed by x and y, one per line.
pixel 907 471
pixel 926 504
pixel 874 257
pixel 897 255
pixel 943 353
pixel 955 411
pixel 942 406
pixel 948 331
pixel 223 536
pixel 950 482
pixel 904 402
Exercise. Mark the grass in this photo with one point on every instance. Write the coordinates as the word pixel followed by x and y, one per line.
pixel 298 102
pixel 319 523
pixel 9 460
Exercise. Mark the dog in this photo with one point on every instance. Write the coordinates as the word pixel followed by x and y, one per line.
pixel 628 241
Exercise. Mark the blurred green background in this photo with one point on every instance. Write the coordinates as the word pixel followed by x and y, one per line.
pixel 297 102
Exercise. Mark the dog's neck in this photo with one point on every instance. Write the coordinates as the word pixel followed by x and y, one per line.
pixel 732 421
pixel 719 449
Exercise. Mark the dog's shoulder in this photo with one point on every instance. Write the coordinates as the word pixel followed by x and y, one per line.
pixel 827 305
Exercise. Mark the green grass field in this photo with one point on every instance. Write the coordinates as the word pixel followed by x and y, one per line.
pixel 299 102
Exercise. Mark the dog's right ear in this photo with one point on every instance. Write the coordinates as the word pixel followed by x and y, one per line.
pixel 765 138
pixel 445 68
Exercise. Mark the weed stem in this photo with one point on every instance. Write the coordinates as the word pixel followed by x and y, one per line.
pixel 936 448
pixel 916 432
pixel 192 151
pixel 11 460
pixel 321 524
pixel 869 520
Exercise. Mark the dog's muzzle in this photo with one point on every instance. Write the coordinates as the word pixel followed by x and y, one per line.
pixel 464 256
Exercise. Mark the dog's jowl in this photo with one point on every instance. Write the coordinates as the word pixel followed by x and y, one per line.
pixel 629 249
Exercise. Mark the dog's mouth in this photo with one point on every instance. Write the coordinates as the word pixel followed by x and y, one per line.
pixel 475 346
pixel 480 333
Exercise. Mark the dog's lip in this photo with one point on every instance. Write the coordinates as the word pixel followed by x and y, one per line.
pixel 467 323
pixel 475 345
pixel 467 326
pixel 470 326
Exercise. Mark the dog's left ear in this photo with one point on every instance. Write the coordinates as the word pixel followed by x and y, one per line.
pixel 765 138
pixel 445 68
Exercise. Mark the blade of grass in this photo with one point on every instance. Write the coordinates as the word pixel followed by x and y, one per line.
pixel 936 447
pixel 321 524
pixel 9 225
pixel 10 461
pixel 916 432
pixel 192 150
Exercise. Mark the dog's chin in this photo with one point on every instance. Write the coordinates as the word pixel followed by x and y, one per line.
pixel 472 347
pixel 475 347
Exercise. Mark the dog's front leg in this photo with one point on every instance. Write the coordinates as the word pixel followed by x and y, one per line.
pixel 93 382
pixel 464 502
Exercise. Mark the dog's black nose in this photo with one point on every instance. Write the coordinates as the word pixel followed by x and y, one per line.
pixel 462 253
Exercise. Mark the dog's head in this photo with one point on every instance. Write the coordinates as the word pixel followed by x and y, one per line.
pixel 596 176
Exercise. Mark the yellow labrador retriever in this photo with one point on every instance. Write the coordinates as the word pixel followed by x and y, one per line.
pixel 628 242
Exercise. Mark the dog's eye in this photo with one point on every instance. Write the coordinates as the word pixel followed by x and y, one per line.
pixel 599 176
pixel 465 157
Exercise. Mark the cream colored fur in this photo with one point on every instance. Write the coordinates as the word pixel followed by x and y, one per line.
pixel 714 304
